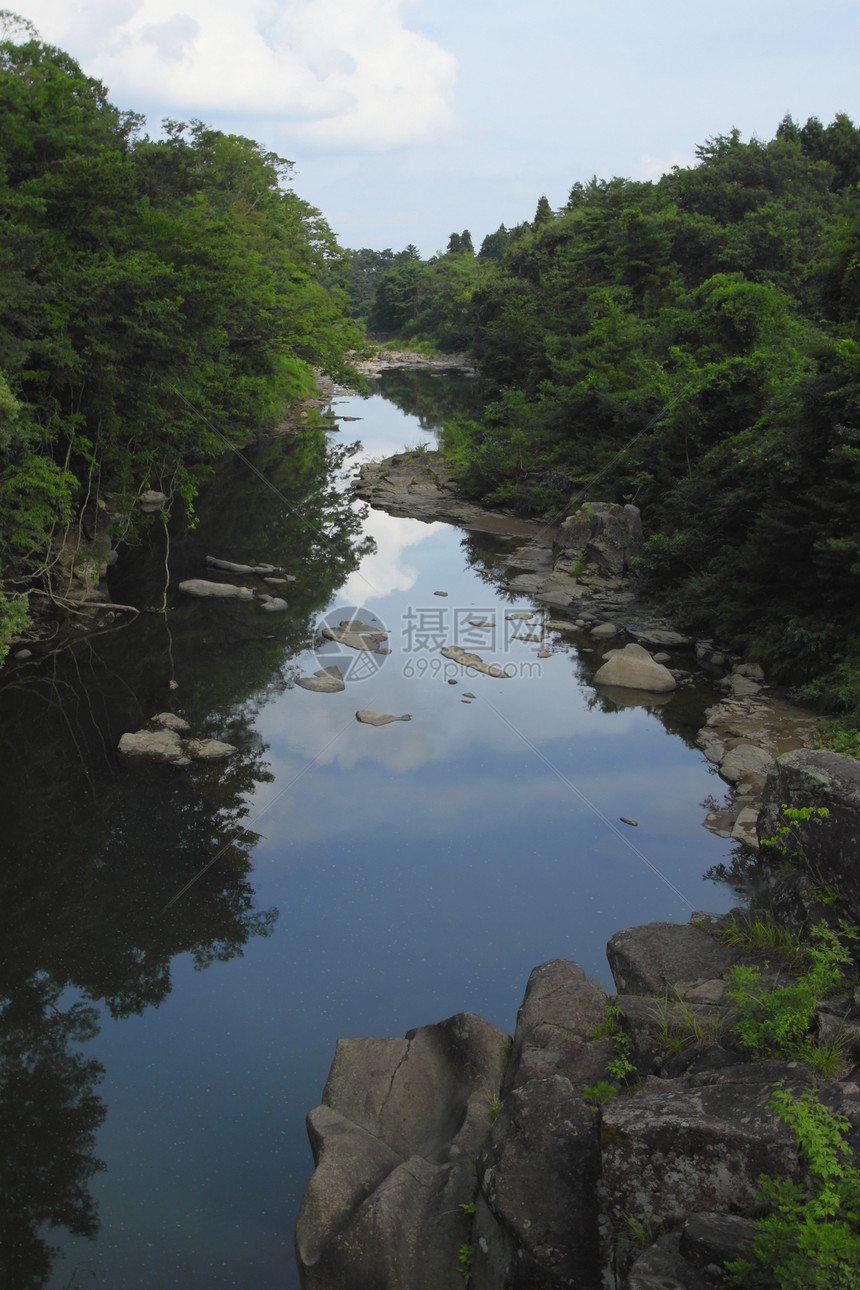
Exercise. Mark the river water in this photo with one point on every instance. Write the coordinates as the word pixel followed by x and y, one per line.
pixel 228 923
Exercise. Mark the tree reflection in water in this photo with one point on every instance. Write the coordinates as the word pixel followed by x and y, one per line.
pixel 114 870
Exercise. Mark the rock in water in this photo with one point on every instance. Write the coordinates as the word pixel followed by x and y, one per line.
pixel 154 745
pixel 215 590
pixel 328 680
pixel 356 634
pixel 634 669
pixel 369 718
pixel 209 749
pixel 467 659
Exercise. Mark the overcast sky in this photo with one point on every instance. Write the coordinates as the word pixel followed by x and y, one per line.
pixel 408 119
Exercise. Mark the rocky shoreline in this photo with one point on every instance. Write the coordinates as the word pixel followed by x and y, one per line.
pixel 615 1140
pixel 580 568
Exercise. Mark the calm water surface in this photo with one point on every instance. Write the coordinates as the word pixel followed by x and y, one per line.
pixel 417 870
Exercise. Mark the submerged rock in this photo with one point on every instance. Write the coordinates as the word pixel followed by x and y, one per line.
pixel 215 590
pixel 328 680
pixel 369 718
pixel 154 745
pixel 209 749
pixel 459 655
pixel 356 635
pixel 170 721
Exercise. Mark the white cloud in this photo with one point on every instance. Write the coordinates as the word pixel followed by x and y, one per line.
pixel 340 72
pixel 653 167
pixel 387 569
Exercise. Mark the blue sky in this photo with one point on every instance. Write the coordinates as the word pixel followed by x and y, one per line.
pixel 408 119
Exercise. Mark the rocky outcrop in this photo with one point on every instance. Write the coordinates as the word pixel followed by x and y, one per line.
pixel 743 735
pixel 394 1143
pixel 826 848
pixel 568 1169
pixel 610 535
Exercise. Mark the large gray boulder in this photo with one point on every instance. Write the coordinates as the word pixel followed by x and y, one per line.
pixel 658 956
pixel 395 1144
pixel 611 535
pixel 672 1149
pixel 633 668
pixel 555 1026
pixel 828 849
pixel 539 1177
pixel 536 1221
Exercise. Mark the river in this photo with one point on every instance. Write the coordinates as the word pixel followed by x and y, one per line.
pixel 184 946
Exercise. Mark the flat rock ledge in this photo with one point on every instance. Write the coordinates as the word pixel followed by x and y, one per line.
pixel 460 1137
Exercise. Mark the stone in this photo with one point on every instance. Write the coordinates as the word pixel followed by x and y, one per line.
pixel 356 635
pixel 826 848
pixel 539 1175
pixel 369 718
pixel 663 1267
pixel 745 827
pixel 215 590
pixel 604 629
pixel 170 721
pixel 400 1122
pixel 633 668
pixel 668 1152
pixel 609 534
pixel 559 1014
pixel 739 686
pixel 709 1240
pixel 272 604
pixel 154 745
pixel 228 566
pixel 152 500
pixel 650 958
pixel 660 637
pixel 327 680
pixel 459 655
pixel 745 759
pixel 209 749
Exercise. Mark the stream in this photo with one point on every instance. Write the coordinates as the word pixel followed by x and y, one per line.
pixel 184 946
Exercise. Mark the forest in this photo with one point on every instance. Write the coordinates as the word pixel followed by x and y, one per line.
pixel 160 299
pixel 689 345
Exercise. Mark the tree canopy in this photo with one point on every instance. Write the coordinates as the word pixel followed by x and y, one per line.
pixel 157 296
pixel 690 345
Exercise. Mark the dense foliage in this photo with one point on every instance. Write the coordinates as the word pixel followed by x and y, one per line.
pixel 157 296
pixel 690 345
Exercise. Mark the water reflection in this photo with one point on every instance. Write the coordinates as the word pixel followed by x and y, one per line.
pixel 113 872
pixel 419 869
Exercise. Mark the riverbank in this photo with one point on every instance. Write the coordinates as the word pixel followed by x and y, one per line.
pixel 581 571
pixel 616 1139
